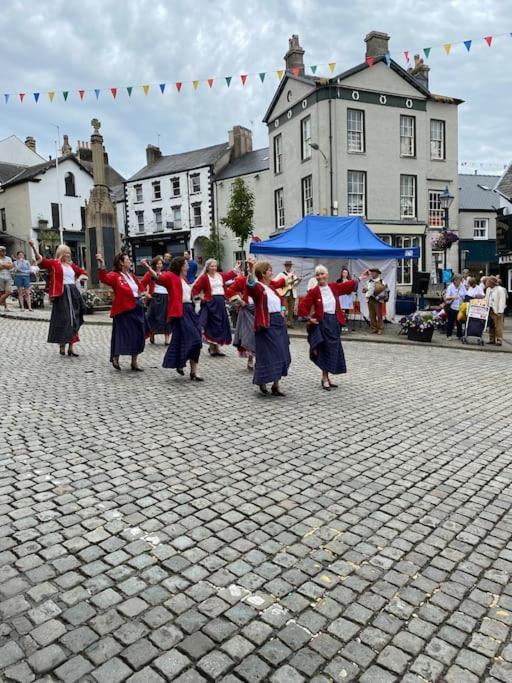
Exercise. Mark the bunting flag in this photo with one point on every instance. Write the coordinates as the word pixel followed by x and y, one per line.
pixel 490 40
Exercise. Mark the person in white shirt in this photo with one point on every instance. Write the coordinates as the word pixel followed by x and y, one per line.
pixel 474 290
pixel 454 297
pixel 6 267
pixel 497 298
pixel 291 296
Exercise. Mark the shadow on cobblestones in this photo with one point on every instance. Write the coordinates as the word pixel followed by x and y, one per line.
pixel 153 529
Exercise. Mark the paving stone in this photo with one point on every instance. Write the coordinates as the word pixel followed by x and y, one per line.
pixel 171 664
pixel 287 674
pixel 274 651
pixel 375 674
pixel 47 659
pixel 103 650
pixel 147 675
pixel 253 669
pixel 214 664
pixel 75 669
pixel 10 653
pixel 342 670
pixel 394 659
pixel 113 671
pixel 140 653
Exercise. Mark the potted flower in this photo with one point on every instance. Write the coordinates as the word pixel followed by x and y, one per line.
pixel 444 240
pixel 419 326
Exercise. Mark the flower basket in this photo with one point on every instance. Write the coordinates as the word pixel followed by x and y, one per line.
pixel 444 240
pixel 425 335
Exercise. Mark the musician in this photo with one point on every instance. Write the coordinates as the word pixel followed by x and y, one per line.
pixel 292 293
pixel 186 338
pixel 243 338
pixel 157 297
pixel 271 336
pixel 376 292
pixel 210 286
pixel 127 311
pixel 68 306
pixel 322 306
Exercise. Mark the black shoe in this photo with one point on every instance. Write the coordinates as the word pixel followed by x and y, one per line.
pixel 327 387
pixel 276 392
pixel 263 389
pixel 196 378
pixel 135 368
pixel 115 365
pixel 219 354
pixel 62 350
pixel 72 353
pixel 332 385
pixel 180 371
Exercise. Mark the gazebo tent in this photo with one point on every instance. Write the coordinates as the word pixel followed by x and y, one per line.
pixel 334 241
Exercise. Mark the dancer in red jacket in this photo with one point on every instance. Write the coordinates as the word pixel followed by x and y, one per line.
pixel 243 338
pixel 129 319
pixel 322 306
pixel 156 295
pixel 68 306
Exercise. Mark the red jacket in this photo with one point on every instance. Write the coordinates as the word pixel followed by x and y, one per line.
pixel 238 286
pixel 202 284
pixel 123 295
pixel 172 284
pixel 147 283
pixel 313 300
pixel 258 293
pixel 56 287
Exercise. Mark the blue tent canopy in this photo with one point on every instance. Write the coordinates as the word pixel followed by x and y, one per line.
pixel 331 237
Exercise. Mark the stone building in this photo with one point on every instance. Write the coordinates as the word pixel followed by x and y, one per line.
pixel 372 141
pixel 477 223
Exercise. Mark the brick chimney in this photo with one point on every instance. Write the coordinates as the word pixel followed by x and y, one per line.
pixel 83 150
pixel 420 71
pixel 294 58
pixel 376 44
pixel 66 147
pixel 153 153
pixel 31 143
pixel 240 141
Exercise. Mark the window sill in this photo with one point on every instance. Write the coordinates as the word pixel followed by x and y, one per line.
pixel 408 156
pixel 479 239
pixel 155 199
pixel 278 173
pixel 362 153
pixel 139 201
pixel 175 196
pixel 431 159
pixel 192 192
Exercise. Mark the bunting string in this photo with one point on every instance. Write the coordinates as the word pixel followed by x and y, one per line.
pixel 248 77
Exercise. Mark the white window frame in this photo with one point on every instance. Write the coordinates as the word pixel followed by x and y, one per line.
pixel 480 228
pixel 408 194
pixel 405 266
pixel 159 226
pixel 175 181
pixel 175 210
pixel 278 153
pixel 407 135
pixel 195 183
pixel 157 189
pixel 435 212
pixel 437 139
pixel 355 131
pixel 197 218
pixel 307 195
pixel 305 138
pixel 139 194
pixel 140 221
pixel 356 193
pixel 279 208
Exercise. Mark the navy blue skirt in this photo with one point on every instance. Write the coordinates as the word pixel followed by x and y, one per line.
pixel 186 339
pixel 214 321
pixel 128 332
pixel 325 348
pixel 157 314
pixel 243 338
pixel 272 351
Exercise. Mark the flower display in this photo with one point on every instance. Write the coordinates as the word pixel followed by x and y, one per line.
pixel 444 240
pixel 420 321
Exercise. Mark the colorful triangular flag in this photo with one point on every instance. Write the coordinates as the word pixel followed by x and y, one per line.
pixel 406 55
pixel 370 60
pixel 162 87
pixel 65 94
pixel 313 68
pixel 36 96
pixel 243 78
pixel 262 76
pixel 146 89
pixel 195 84
pixel 114 92
pixel 51 95
pixel 129 90
pixel 488 40
pixel 178 86
pixel 296 71
pixel 332 66
pixel 279 73
pixel 467 43
pixel 210 82
pixel 387 57
pixel 81 93
pixel 426 51
pixel 228 80
pixel 97 93
pixel 21 95
pixel 447 48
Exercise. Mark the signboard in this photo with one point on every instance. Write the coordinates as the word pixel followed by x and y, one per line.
pixel 478 308
pixel 505 259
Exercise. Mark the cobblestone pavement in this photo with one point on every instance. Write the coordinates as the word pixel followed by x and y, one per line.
pixel 153 529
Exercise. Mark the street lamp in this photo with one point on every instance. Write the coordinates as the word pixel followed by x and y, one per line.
pixel 446 199
pixel 315 146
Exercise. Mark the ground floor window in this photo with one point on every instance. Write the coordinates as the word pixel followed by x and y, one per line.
pixel 406 267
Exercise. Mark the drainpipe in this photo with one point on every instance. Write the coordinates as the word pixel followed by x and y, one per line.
pixel 331 179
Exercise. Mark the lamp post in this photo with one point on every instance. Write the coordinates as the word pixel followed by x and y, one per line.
pixel 316 147
pixel 446 199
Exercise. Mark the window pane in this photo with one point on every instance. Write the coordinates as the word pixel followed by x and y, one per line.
pixel 356 193
pixel 355 130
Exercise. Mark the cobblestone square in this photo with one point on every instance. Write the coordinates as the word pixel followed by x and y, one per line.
pixel 154 529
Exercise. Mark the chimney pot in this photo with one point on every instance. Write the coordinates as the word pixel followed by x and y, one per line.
pixel 66 147
pixel 377 44
pixel 294 58
pixel 240 141
pixel 419 71
pixel 153 153
pixel 30 143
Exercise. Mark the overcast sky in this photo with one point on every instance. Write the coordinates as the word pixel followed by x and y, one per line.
pixel 86 44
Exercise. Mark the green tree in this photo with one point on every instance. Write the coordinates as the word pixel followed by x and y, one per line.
pixel 240 214
pixel 213 247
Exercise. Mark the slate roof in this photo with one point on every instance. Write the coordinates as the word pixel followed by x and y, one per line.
pixel 186 161
pixel 117 192
pixel 476 192
pixel 252 162
pixel 504 185
pixel 8 171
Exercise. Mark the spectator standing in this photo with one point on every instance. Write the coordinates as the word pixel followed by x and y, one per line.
pixel 497 298
pixel 166 265
pixel 291 296
pixel 6 267
pixel 22 271
pixel 192 267
pixel 376 294
pixel 454 297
